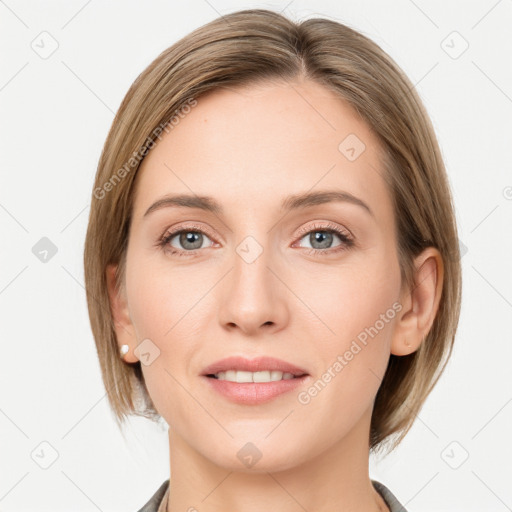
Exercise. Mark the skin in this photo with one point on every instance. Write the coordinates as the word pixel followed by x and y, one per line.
pixel 249 148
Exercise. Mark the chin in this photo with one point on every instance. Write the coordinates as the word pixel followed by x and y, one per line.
pixel 262 466
pixel 261 456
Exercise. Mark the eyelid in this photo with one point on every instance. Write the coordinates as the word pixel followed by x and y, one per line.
pixel 177 228
pixel 327 227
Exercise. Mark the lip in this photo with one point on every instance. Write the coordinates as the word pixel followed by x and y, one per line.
pixel 258 364
pixel 253 393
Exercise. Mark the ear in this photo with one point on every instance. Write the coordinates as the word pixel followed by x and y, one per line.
pixel 124 329
pixel 419 303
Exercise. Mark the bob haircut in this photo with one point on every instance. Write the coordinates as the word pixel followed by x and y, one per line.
pixel 259 46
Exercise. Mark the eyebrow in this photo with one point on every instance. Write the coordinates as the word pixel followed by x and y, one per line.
pixel 289 203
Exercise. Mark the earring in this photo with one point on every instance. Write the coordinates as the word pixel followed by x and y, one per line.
pixel 124 350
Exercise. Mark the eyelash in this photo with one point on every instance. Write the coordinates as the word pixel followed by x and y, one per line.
pixel 346 240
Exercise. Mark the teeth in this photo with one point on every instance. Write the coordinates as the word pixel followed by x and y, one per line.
pixel 242 376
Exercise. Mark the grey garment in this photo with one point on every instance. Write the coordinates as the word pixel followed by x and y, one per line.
pixel 153 504
pixel 390 499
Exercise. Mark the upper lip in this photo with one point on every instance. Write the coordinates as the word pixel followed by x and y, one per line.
pixel 258 364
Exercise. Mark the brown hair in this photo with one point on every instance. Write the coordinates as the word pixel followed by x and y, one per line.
pixel 258 46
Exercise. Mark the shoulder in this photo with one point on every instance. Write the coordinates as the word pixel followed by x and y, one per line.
pixel 390 499
pixel 154 503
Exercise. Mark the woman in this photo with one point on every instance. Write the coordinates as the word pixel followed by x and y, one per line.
pixel 272 263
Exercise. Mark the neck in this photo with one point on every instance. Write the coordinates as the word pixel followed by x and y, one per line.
pixel 335 480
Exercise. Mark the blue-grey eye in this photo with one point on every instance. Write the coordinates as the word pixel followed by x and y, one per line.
pixel 189 240
pixel 321 239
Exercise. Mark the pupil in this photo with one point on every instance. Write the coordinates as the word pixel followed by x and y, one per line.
pixel 191 237
pixel 323 237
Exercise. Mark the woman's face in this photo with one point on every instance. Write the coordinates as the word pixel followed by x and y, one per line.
pixel 264 273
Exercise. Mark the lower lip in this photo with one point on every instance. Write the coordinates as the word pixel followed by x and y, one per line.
pixel 252 393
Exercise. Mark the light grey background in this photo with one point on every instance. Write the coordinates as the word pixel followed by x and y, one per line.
pixel 55 114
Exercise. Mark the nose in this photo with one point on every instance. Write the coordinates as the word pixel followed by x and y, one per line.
pixel 253 296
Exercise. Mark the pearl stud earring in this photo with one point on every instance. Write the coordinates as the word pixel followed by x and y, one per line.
pixel 124 350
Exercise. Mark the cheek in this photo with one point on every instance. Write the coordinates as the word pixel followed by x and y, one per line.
pixel 167 305
pixel 162 298
pixel 357 305
pixel 361 313
pixel 347 301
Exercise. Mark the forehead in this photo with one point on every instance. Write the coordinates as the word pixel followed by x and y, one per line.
pixel 252 145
